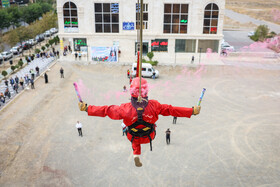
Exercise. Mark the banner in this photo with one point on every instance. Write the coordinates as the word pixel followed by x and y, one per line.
pixel 104 54
pixel 5 3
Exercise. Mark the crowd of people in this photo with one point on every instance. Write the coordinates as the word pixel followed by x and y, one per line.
pixel 15 84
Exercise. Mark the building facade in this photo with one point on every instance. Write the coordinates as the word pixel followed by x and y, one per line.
pixel 175 30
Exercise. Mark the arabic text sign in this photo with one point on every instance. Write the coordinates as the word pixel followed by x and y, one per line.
pixel 128 25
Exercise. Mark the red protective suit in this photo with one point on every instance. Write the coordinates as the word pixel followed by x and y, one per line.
pixel 129 115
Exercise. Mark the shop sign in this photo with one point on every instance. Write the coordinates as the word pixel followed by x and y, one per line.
pixel 159 45
pixel 78 42
pixel 128 26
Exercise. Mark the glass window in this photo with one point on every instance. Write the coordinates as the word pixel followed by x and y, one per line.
pixel 205 45
pixel 145 16
pixel 78 42
pixel 185 46
pixel 106 17
pixel 70 17
pixel 175 18
pixel 211 15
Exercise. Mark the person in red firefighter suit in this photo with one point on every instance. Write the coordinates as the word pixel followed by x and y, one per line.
pixel 139 116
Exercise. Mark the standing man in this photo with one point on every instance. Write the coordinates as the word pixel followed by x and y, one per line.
pixel 79 127
pixel 32 83
pixel 61 73
pixel 192 59
pixel 168 132
pixel 128 73
pixel 174 119
pixel 76 55
pixel 46 78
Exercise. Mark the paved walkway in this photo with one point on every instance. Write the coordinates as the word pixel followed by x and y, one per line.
pixel 42 63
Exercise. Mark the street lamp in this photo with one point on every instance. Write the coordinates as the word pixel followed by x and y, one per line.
pixel 200 54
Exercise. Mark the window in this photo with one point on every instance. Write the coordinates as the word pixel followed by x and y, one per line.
pixel 78 42
pixel 185 46
pixel 204 45
pixel 211 16
pixel 70 15
pixel 145 48
pixel 106 17
pixel 159 45
pixel 175 18
pixel 145 16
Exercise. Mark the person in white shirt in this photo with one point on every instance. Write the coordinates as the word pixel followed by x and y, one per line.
pixel 79 127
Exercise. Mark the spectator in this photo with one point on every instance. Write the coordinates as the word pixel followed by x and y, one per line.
pixel 46 78
pixel 12 81
pixel 76 55
pixel 17 79
pixel 174 119
pixel 2 97
pixel 80 55
pixel 61 73
pixel 37 70
pixel 124 89
pixel 6 82
pixel 32 83
pixel 21 82
pixel 79 128
pixel 168 132
pixel 26 78
pixel 16 87
pixel 192 59
pixel 57 53
pixel 7 93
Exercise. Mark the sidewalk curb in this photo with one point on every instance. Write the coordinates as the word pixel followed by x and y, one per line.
pixel 53 63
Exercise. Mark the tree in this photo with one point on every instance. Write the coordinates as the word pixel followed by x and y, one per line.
pixel 20 63
pixel 24 33
pixel 5 19
pixel 4 73
pixel 32 12
pixel 51 42
pixel 43 48
pixel 261 33
pixel 37 51
pixel 47 45
pixel 46 7
pixel 11 38
pixel 15 16
pixel 150 55
pixel 13 68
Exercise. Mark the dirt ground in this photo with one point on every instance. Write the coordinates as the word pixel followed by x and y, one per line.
pixel 264 10
pixel 233 142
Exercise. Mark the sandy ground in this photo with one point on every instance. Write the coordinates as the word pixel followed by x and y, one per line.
pixel 233 142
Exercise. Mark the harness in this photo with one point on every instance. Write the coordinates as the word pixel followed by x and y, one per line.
pixel 141 132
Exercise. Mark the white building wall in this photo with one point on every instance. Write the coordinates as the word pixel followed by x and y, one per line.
pixel 127 39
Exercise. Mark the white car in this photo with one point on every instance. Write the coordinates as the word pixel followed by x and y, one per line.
pixel 147 70
pixel 16 50
pixel 53 30
pixel 251 33
pixel 7 55
pixel 1 59
pixel 47 34
pixel 228 47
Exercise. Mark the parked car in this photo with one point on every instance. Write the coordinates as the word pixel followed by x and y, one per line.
pixel 251 33
pixel 26 45
pixel 16 50
pixel 1 59
pixel 40 38
pixel 7 55
pixel 53 30
pixel 147 70
pixel 228 47
pixel 47 34
pixel 32 42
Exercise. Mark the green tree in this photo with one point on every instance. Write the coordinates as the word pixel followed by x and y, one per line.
pixel 150 55
pixel 4 73
pixel 46 7
pixel 13 68
pixel 43 48
pixel 20 63
pixel 37 51
pixel 11 38
pixel 51 42
pixel 15 16
pixel 32 12
pixel 5 19
pixel 24 33
pixel 261 33
pixel 47 45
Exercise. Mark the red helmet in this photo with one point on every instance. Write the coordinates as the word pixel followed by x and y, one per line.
pixel 134 87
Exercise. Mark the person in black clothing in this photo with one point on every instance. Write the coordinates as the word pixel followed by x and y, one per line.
pixel 6 82
pixel 57 53
pixel 192 59
pixel 37 70
pixel 174 120
pixel 32 83
pixel 7 93
pixel 46 78
pixel 61 73
pixel 16 87
pixel 76 55
pixel 168 132
pixel 17 79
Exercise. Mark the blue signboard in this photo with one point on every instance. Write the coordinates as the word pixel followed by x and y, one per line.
pixel 128 26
